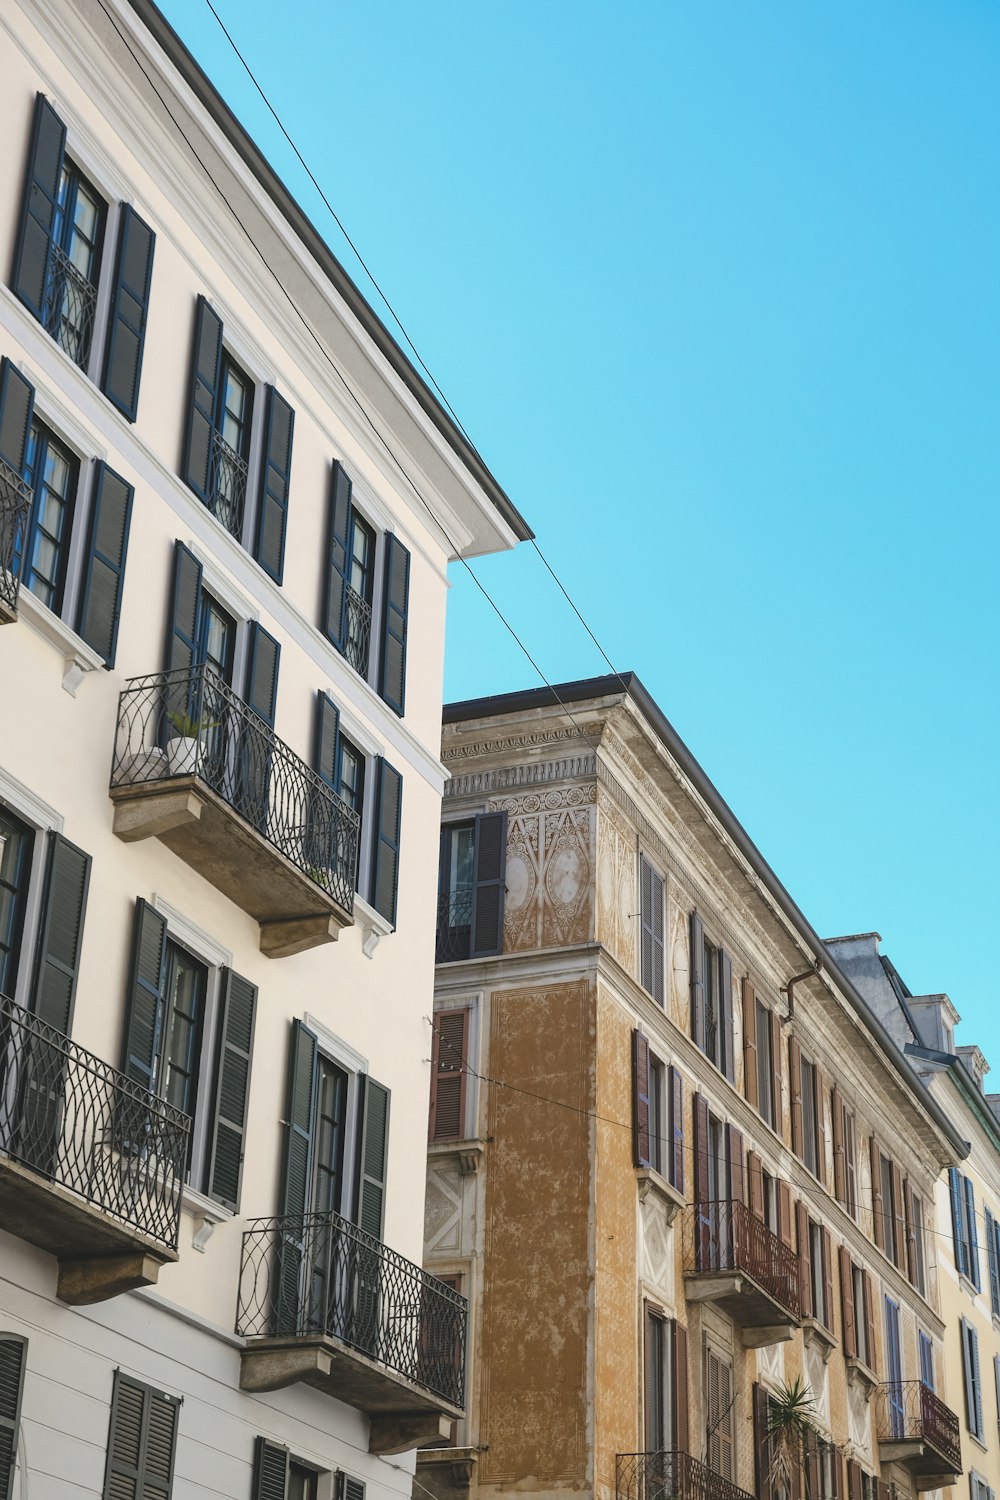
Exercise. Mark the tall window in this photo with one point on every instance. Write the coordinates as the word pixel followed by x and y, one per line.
pixel 651 937
pixel 232 446
pixel 810 1130
pixel 74 265
pixel 658 1147
pixel 850 1165
pixel 926 1351
pixel 963 1224
pixel 361 588
pixel 862 1316
pixel 973 1380
pixel 52 472
pixel 711 999
pixel 185 988
pixel 657 1383
pixel 765 1064
pixel 471 888
pixel 915 1220
pixel 16 840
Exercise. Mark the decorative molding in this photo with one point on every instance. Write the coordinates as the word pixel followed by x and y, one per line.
pixel 537 773
pixel 529 740
pixel 78 658
pixel 650 1181
pixel 372 924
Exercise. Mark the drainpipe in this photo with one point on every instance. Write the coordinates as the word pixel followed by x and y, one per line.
pixel 788 989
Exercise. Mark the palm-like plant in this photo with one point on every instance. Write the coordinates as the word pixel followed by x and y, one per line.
pixel 791 1414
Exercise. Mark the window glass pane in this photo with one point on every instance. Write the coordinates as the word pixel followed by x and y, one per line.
pixel 51 471
pixel 809 1115
pixel 301 1483
pixel 656 1143
pixel 331 1120
pixel 15 869
pixel 764 1092
pixel 712 1029
pixel 235 407
pixel 186 983
pixel 462 851
pixel 362 557
pixel 850 1176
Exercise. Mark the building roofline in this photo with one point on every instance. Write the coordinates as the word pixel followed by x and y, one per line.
pixel 628 684
pixel 197 80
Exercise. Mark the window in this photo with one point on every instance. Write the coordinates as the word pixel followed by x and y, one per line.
pixel 815 1268
pixel 963 1224
pixel 657 1125
pixel 13 1358
pixel 51 471
pixel 365 601
pixel 857 1310
pixel 651 934
pixel 471 888
pixel 657 1114
pixel 805 1083
pixel 301 1482
pixel 16 846
pixel 711 999
pixel 449 1074
pixel 979 1489
pixel 916 1262
pixel 926 1351
pixel 142 1441
pixel 58 265
pixel 764 1021
pixel 862 1321
pixel 850 1194
pixel 818 1287
pixel 993 1259
pixel 973 1382
pixel 810 1130
pixel 657 1382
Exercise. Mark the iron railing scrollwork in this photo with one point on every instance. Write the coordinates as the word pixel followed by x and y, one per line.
pixel 359 631
pixel 70 303
pixel 227 485
pixel 454 926
pixel 671 1475
pixel 191 723
pixel 321 1276
pixel 726 1235
pixel 910 1409
pixel 15 504
pixel 74 1120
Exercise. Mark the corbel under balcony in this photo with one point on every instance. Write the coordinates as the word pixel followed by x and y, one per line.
pixel 453 1467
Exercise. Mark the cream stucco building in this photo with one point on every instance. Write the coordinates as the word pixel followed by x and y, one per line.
pixel 227 503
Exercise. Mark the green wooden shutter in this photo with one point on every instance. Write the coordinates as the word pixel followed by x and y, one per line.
pixel 300 1116
pixel 262 673
pixel 349 1488
pixel 337 568
pixel 145 996
pixel 275 473
pixel 206 365
pixel 38 207
pixel 142 1442
pixel 185 611
pixel 129 308
pixel 17 406
pixel 13 1358
pixel 488 892
pixel 57 957
pixel 395 603
pixel 973 1237
pixel 270 1470
pixel 697 981
pixel 640 1100
pixel 104 574
pixel 385 862
pixel 232 1088
pixel 374 1146
pixel 327 739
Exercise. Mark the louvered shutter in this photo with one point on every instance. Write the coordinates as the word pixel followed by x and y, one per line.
pixel 827 1313
pixel 675 1085
pixel 697 981
pixel 448 1074
pixel 161 1438
pixel 488 893
pixel 13 1359
pixel 839 1173
pixel 38 207
pixel 795 1094
pixel 882 1489
pixel 679 1413
pixel 869 1310
pixel 994 1268
pixel 750 1078
pixel 837 1472
pixel 898 1217
pixel 337 567
pixel 811 1448
pixel 374 1149
pixel 327 739
pixel 785 1231
pixel 275 475
pixel 129 308
pixel 878 1201
pixel 977 1384
pixel 775 1031
pixel 737 1174
pixel 640 1100
pixel 761 1443
pixel 206 368
pixel 706 1219
pixel 262 673
pixel 651 930
pixel 727 1060
pixel 185 611
pixel 104 571
pixel 395 605
pixel 957 1220
pixel 847 1303
pixel 17 406
pixel 701 1177
pixel 820 1108
pixel 853 1479
pixel 385 861
pixel 300 1114
pixel 973 1236
pixel 349 1488
pixel 270 1470
pixel 232 1088
pixel 57 956
pixel 142 1442
pixel 146 999
pixel 805 1260
pixel 755 1184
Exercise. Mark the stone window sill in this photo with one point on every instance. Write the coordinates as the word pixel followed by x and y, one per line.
pixel 78 657
pixel 469 1152
pixel 860 1374
pixel 816 1333
pixel 373 925
pixel 649 1180
pixel 207 1215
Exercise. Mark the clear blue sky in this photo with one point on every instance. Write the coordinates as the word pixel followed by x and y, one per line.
pixel 715 288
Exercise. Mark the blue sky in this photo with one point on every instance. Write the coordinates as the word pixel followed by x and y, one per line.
pixel 715 289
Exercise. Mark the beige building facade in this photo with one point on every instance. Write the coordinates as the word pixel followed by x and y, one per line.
pixel 227 505
pixel 675 1162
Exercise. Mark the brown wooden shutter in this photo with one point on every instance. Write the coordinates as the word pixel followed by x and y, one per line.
pixel 737 1173
pixel 676 1087
pixel 697 981
pixel 837 1472
pixel 761 1445
pixel 775 1030
pixel 837 1122
pixel 805 1260
pixel 795 1093
pixel 640 1100
pixel 755 1181
pixel 827 1313
pixel 785 1234
pixel 820 1104
pixel 727 1059
pixel 448 1074
pixel 750 1083
pixel 847 1303
pixel 882 1489
pixel 679 1411
pixel 878 1204
pixel 701 1177
pixel 869 1319
pixel 898 1218
pixel 911 1235
pixel 812 1466
pixel 853 1479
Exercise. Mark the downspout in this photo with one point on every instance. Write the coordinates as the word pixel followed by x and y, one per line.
pixel 789 988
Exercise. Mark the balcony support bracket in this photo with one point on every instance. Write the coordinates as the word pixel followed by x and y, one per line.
pixel 282 939
pixel 399 1431
pixel 774 1333
pixel 283 1364
pixel 84 1281
pixel 150 816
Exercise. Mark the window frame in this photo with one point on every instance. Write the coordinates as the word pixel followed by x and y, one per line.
pixel 343 1056
pixel 41 820
pixel 850 1136
pixel 765 1062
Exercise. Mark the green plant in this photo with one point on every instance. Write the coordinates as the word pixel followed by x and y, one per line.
pixel 187 725
pixel 791 1417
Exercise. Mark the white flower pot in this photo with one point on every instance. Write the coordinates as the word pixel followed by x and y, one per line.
pixel 182 755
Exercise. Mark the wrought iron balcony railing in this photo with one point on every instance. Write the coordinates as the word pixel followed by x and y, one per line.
pixel 15 503
pixel 191 724
pixel 671 1476
pixel 322 1277
pixel 227 485
pixel 73 1120
pixel 359 631
pixel 70 302
pixel 908 1409
pixel 454 926
pixel 725 1235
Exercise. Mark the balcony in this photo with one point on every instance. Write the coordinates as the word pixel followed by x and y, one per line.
pixel 731 1258
pixel 915 1428
pixel 227 485
pixel 195 767
pixel 70 303
pixel 91 1164
pixel 359 631
pixel 324 1303
pixel 454 927
pixel 670 1476
pixel 15 503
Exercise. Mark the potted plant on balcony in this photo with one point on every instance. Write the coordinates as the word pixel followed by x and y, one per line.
pixel 791 1417
pixel 182 747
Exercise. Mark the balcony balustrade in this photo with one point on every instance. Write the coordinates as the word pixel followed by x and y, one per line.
pixel 195 767
pixel 915 1428
pixel 227 485
pixel 671 1476
pixel 454 926
pixel 69 307
pixel 733 1259
pixel 359 631
pixel 324 1303
pixel 15 503
pixel 91 1164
